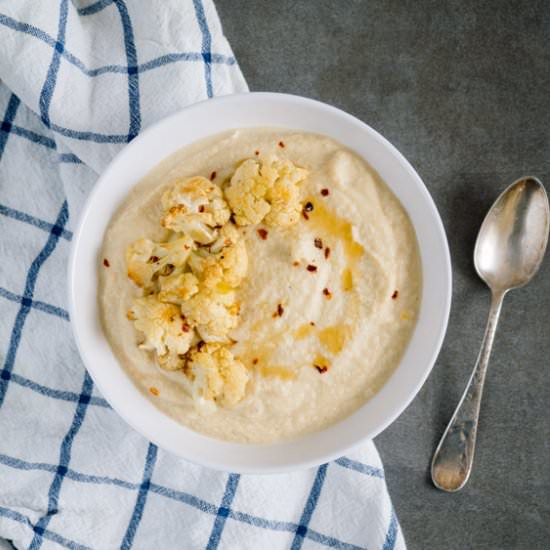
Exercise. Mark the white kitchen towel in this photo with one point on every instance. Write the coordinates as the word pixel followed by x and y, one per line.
pixel 78 81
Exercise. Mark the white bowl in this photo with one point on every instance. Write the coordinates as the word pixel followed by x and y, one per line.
pixel 202 120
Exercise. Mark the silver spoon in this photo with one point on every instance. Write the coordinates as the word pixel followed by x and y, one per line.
pixel 508 252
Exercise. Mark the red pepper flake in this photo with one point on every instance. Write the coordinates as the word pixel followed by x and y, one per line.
pixel 325 192
pixel 295 264
pixel 312 323
pixel 279 312
pixel 262 233
pixel 318 244
pixel 395 295
pixel 327 253
pixel 255 361
pixel 185 327
pixel 321 368
pixel 213 175
pixel 311 268
pixel 201 208
pixel 327 293
pixel 281 145
pixel 154 391
pixel 308 207
pixel 256 153
pixel 153 260
pixel 106 262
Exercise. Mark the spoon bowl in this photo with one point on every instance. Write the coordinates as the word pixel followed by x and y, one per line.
pixel 513 237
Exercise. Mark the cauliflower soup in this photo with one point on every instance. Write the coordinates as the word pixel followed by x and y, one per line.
pixel 260 285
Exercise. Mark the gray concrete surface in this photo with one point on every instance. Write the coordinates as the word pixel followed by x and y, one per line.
pixel 462 89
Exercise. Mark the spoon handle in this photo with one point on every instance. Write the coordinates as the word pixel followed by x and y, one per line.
pixel 453 458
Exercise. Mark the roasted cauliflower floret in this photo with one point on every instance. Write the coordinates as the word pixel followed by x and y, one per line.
pixel 195 206
pixel 208 270
pixel 178 288
pixel 234 374
pixel 165 329
pixel 266 189
pixel 217 376
pixel 224 264
pixel 284 194
pixel 234 261
pixel 246 193
pixel 212 313
pixel 178 218
pixel 147 260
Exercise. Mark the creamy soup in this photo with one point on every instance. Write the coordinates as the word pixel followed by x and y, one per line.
pixel 326 309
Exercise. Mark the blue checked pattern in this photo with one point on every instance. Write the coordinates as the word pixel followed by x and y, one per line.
pixel 76 83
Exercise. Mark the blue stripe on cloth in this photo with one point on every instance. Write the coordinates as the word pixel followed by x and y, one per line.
pixel 391 535
pixel 94 8
pixel 206 45
pixel 37 222
pixel 263 523
pixel 30 283
pixel 121 69
pixel 150 460
pixel 41 306
pixel 360 467
pixel 89 136
pixel 101 480
pixel 6 124
pixel 133 71
pixel 274 525
pixel 51 77
pixel 50 392
pixel 309 507
pixel 19 464
pixel 47 534
pixel 27 29
pixel 69 158
pixel 330 541
pixel 30 135
pixel 24 465
pixel 64 460
pixel 223 511
pixel 188 56
pixel 7 127
pixel 185 498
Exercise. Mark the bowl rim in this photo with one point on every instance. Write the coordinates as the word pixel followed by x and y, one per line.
pixel 218 462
